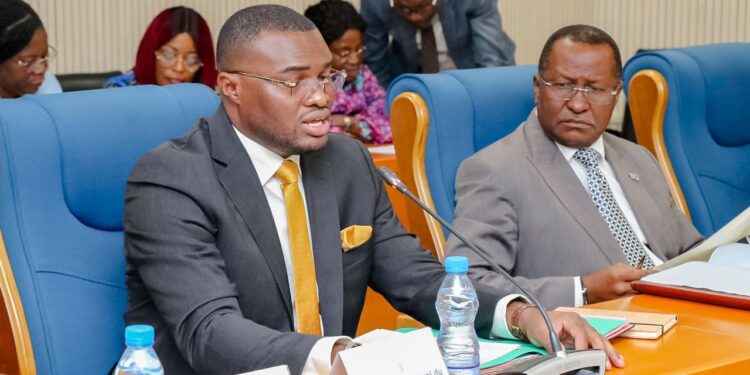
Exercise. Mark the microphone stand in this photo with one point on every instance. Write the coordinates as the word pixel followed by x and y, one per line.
pixel 560 362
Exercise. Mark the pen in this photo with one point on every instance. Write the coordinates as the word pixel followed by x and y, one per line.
pixel 640 262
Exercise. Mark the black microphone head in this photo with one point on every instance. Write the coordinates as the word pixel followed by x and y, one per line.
pixel 389 177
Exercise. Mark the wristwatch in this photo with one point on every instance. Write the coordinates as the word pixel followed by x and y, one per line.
pixel 584 297
pixel 348 122
pixel 515 319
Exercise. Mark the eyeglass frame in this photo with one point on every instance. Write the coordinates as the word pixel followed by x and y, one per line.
pixel 291 84
pixel 360 52
pixel 37 62
pixel 420 10
pixel 586 91
pixel 160 56
pixel 393 3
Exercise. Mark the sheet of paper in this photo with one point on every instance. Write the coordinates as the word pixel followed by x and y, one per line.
pixel 278 370
pixel 384 149
pixel 415 352
pixel 489 351
pixel 733 231
pixel 734 254
pixel 716 277
pixel 377 335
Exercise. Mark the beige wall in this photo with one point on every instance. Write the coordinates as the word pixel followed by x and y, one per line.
pixel 100 35
pixel 633 24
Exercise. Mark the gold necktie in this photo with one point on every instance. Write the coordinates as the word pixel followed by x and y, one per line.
pixel 305 286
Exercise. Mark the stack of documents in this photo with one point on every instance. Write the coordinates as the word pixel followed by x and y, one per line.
pixel 723 280
pixel 643 325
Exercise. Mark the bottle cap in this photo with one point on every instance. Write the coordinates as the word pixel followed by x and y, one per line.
pixel 139 335
pixel 456 264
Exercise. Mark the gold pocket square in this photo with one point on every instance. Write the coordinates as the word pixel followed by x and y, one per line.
pixel 354 236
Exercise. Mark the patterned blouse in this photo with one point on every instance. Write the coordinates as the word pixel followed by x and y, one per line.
pixel 364 99
pixel 123 80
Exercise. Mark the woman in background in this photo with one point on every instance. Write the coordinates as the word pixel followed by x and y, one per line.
pixel 359 108
pixel 24 52
pixel 176 48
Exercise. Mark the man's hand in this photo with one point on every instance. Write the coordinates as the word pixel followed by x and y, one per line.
pixel 612 282
pixel 574 332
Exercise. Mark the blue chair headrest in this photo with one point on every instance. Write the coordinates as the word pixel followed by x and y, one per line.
pixel 99 146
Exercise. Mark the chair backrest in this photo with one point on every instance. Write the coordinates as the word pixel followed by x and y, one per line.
pixel 64 161
pixel 85 81
pixel 458 112
pixel 706 126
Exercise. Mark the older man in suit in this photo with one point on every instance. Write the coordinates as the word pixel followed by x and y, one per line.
pixel 427 36
pixel 573 213
pixel 251 240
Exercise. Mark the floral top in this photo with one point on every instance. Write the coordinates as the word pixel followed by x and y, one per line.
pixel 123 80
pixel 365 99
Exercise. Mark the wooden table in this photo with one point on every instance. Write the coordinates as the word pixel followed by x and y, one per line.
pixel 707 339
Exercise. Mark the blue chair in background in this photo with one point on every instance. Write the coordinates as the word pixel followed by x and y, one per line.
pixel 64 160
pixel 691 108
pixel 438 120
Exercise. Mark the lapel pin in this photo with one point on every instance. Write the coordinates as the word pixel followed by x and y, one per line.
pixel 634 176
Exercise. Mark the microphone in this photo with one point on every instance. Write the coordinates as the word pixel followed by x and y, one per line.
pixel 586 361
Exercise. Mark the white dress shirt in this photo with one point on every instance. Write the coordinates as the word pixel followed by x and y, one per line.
pixel 266 163
pixel 617 192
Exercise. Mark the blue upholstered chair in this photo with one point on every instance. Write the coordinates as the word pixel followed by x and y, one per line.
pixel 438 120
pixel 691 107
pixel 64 160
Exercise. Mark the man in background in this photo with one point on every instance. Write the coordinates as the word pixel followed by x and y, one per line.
pixel 573 213
pixel 250 241
pixel 428 36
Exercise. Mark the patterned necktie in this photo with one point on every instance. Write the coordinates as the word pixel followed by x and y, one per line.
pixel 305 285
pixel 428 57
pixel 605 202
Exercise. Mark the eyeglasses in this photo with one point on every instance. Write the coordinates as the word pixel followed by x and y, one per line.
pixel 39 65
pixel 360 53
pixel 329 83
pixel 594 95
pixel 168 58
pixel 421 9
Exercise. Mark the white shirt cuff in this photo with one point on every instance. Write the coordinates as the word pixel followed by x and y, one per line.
pixel 499 324
pixel 319 360
pixel 577 292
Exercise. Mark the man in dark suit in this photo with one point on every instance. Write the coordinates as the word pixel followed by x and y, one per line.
pixel 413 36
pixel 573 213
pixel 239 262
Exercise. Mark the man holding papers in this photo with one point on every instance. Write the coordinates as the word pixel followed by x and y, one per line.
pixel 251 240
pixel 566 208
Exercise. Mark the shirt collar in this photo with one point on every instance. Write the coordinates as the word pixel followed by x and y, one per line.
pixel 265 161
pixel 568 152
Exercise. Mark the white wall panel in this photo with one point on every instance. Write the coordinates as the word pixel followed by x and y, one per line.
pixel 100 35
pixel 634 24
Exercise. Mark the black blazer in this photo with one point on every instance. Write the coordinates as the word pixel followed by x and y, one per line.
pixel 204 264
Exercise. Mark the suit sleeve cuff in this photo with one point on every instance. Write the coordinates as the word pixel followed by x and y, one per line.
pixel 319 360
pixel 577 292
pixel 499 324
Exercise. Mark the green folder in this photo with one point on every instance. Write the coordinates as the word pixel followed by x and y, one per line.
pixel 601 325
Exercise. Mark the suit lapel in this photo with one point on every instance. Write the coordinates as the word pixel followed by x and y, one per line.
pixel 239 179
pixel 640 201
pixel 564 184
pixel 322 209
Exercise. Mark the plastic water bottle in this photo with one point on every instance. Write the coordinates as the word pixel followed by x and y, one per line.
pixel 457 306
pixel 139 357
